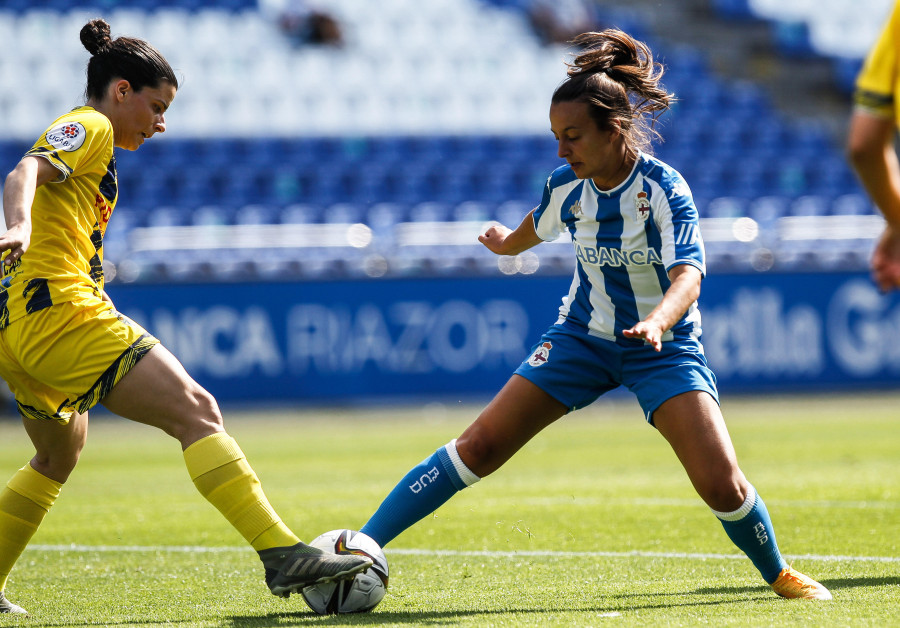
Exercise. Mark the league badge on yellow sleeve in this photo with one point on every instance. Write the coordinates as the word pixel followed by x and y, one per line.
pixel 67 136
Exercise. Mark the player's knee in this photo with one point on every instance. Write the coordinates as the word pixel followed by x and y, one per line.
pixel 478 452
pixel 207 407
pixel 724 494
pixel 199 416
pixel 56 465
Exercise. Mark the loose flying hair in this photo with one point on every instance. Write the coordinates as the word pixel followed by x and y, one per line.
pixel 616 76
pixel 128 58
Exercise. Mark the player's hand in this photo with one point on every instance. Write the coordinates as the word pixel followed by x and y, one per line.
pixel 16 241
pixel 494 238
pixel 647 331
pixel 886 260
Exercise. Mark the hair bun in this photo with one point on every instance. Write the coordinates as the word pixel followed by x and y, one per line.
pixel 95 36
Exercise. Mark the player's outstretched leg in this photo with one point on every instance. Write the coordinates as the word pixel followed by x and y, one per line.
pixel 289 569
pixel 8 607
pixel 221 473
pixel 426 487
pixel 750 528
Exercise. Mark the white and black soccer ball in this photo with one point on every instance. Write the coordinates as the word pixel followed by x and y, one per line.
pixel 364 591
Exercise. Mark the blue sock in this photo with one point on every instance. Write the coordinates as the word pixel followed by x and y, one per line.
pixel 423 490
pixel 750 528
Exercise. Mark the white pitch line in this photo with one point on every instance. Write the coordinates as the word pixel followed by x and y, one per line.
pixel 199 549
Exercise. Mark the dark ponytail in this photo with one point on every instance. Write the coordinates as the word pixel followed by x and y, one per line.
pixel 617 77
pixel 128 58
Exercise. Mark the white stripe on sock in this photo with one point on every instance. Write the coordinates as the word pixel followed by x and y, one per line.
pixel 741 512
pixel 465 473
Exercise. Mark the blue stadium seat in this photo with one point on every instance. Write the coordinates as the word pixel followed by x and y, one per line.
pixel 322 184
pixel 809 205
pixel 504 185
pixel 472 211
pixel 390 149
pixel 343 212
pixel 255 214
pixel 210 215
pixel 454 182
pixel 300 213
pixel 167 216
pixel 725 207
pixel 411 184
pixel 383 216
pixel 852 205
pixel 368 183
pixel 430 211
pixel 511 213
pixel 280 186
pixel 767 209
pixel 310 151
pixel 431 149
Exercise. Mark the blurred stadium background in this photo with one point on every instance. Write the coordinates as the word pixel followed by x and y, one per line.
pixel 306 227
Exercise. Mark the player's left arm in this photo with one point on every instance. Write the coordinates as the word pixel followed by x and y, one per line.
pixel 684 290
pixel 505 241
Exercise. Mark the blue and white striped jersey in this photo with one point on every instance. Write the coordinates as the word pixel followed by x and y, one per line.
pixel 626 239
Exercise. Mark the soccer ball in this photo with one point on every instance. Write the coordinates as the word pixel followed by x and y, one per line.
pixel 363 592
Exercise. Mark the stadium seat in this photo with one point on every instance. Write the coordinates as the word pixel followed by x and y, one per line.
pixel 420 114
pixel 852 205
pixel 725 207
pixel 430 211
pixel 299 213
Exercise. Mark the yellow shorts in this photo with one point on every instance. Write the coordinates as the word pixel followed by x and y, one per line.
pixel 67 357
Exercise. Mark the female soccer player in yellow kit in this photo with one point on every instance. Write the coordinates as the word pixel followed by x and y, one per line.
pixel 64 347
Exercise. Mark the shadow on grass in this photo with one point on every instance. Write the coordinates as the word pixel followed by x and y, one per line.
pixel 833 584
pixel 627 602
pixel 416 618
pixel 849 583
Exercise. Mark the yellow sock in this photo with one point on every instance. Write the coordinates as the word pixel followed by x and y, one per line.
pixel 24 501
pixel 224 477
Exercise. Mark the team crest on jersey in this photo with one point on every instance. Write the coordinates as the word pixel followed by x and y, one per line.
pixel 68 136
pixel 642 206
pixel 540 355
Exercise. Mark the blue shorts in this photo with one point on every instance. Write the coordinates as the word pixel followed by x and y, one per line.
pixel 576 369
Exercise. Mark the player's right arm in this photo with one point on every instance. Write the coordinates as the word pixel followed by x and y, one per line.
pixel 505 241
pixel 870 145
pixel 18 196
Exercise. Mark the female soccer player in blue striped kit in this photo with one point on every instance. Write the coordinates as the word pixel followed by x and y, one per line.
pixel 630 317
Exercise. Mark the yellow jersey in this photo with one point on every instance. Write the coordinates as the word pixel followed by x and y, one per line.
pixel 68 216
pixel 878 83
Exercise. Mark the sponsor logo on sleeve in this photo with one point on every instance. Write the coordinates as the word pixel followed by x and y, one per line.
pixel 68 136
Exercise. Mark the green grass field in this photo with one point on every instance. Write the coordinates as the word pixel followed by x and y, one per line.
pixel 593 523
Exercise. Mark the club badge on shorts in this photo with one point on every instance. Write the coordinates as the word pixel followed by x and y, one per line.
pixel 540 355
